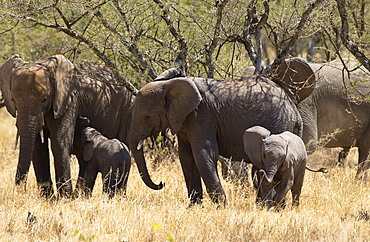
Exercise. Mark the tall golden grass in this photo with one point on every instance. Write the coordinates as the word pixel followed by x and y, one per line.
pixel 334 207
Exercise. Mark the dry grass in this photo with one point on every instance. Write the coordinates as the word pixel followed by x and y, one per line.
pixel 334 207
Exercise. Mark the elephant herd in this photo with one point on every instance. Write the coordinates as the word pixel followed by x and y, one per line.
pixel 81 109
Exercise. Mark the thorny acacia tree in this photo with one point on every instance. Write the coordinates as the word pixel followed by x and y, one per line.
pixel 138 39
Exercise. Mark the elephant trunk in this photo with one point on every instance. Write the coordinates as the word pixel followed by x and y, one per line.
pixel 141 165
pixel 269 176
pixel 27 130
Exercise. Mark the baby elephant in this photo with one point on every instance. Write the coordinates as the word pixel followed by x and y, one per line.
pixel 281 162
pixel 109 156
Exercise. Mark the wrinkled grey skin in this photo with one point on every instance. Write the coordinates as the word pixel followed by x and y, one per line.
pixel 110 157
pixel 330 107
pixel 209 117
pixel 48 96
pixel 297 79
pixel 281 160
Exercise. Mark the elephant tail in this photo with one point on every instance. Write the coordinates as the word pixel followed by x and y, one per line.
pixel 322 169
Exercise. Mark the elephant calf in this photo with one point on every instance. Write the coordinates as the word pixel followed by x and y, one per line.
pixel 111 157
pixel 281 162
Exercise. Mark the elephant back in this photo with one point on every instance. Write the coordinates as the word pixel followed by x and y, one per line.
pixel 354 86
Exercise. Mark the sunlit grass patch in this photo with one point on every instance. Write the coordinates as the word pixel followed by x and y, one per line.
pixel 334 207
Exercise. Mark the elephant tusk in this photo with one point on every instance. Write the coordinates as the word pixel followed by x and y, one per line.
pixel 16 139
pixel 42 136
pixel 140 144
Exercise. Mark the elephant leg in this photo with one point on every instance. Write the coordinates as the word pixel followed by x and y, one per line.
pixel 81 183
pixel 191 173
pixel 41 165
pixel 297 186
pixel 111 177
pixel 62 169
pixel 363 161
pixel 282 189
pixel 257 179
pixel 126 173
pixel 265 192
pixel 90 175
pixel 281 205
pixel 206 156
pixel 61 135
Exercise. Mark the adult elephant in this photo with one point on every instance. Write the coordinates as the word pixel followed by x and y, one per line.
pixel 209 117
pixel 46 98
pixel 338 106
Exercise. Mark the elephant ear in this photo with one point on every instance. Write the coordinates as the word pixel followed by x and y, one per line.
pixel 296 77
pixel 64 84
pixel 14 62
pixel 90 137
pixel 182 98
pixel 252 141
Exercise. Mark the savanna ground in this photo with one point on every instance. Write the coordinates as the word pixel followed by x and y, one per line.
pixel 334 207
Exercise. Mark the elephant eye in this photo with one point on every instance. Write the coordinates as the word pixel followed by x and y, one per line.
pixel 45 99
pixel 146 118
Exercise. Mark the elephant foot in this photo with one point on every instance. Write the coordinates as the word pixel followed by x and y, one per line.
pixel 46 189
pixel 195 200
pixel 81 192
pixel 111 194
pixel 274 207
pixel 64 191
pixel 195 205
pixel 262 203
pixel 220 200
pixel 21 182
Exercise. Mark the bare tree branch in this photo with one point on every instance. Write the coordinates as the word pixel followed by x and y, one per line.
pixel 298 32
pixel 69 24
pixel 131 47
pixel 123 14
pixel 94 48
pixel 215 39
pixel 257 35
pixel 10 29
pixel 348 43
pixel 248 30
pixel 181 57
